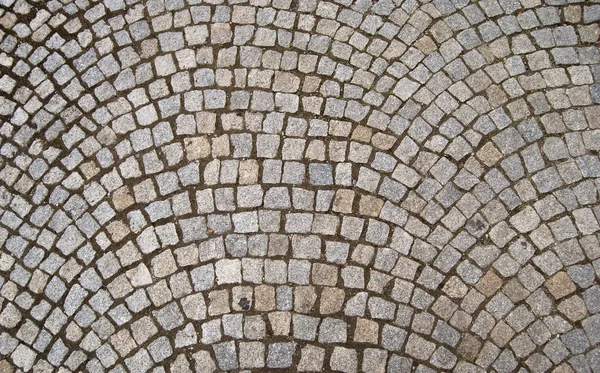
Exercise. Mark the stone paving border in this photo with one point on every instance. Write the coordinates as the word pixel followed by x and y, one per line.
pixel 299 185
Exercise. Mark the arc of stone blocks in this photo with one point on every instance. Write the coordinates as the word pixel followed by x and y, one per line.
pixel 477 225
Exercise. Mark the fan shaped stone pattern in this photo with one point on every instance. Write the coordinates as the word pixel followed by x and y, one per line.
pixel 299 185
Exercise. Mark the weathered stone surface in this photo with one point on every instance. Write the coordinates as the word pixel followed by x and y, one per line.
pixel 373 186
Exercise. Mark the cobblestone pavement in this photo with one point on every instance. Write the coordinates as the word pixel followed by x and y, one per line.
pixel 299 185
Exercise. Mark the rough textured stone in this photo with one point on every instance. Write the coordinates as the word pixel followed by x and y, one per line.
pixel 372 186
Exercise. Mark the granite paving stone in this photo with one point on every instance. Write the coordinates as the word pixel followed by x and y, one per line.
pixel 279 185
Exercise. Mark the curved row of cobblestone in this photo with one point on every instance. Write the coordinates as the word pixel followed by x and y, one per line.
pixel 305 185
